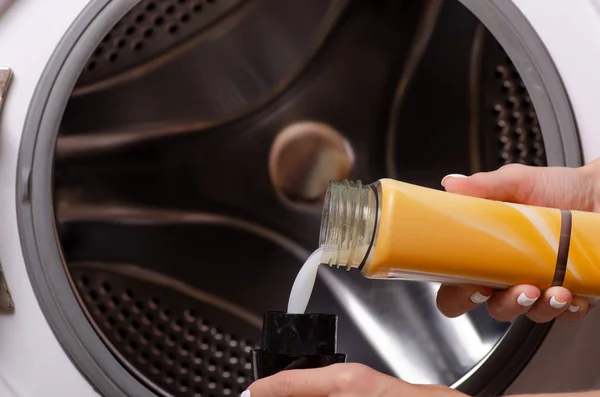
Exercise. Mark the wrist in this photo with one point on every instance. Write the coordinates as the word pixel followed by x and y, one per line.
pixel 590 183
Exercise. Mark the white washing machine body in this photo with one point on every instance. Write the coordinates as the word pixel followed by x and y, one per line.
pixel 32 359
pixel 33 363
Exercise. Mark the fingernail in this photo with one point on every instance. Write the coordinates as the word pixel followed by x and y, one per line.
pixel 477 297
pixel 525 301
pixel 246 393
pixel 573 308
pixel 452 176
pixel 556 304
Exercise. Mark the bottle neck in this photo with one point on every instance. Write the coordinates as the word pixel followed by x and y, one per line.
pixel 348 223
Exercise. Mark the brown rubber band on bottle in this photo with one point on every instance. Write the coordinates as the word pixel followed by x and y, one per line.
pixel 364 261
pixel 564 242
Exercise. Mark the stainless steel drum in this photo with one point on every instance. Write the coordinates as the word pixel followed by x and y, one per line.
pixel 193 157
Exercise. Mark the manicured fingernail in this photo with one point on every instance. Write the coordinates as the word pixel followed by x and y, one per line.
pixel 556 304
pixel 452 176
pixel 477 297
pixel 573 308
pixel 246 393
pixel 525 301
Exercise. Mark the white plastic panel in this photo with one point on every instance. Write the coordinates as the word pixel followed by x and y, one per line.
pixel 571 32
pixel 32 363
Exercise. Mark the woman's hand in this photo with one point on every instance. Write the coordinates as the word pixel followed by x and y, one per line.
pixel 341 380
pixel 557 187
pixel 354 380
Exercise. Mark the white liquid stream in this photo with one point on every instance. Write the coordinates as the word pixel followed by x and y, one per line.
pixel 304 284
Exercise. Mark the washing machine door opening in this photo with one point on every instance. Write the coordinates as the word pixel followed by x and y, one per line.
pixel 176 155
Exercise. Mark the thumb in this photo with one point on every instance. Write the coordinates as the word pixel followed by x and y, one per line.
pixel 556 187
pixel 347 379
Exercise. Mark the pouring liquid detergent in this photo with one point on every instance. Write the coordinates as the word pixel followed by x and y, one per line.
pixel 395 230
pixel 304 283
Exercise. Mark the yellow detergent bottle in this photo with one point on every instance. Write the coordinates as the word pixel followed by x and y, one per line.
pixel 395 230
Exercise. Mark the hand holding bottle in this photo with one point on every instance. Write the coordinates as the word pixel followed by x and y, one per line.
pixel 556 187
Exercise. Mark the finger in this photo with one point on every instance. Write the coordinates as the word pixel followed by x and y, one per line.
pixel 507 305
pixel 552 303
pixel 454 300
pixel 577 310
pixel 337 379
pixel 557 187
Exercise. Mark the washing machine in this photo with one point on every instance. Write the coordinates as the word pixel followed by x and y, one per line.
pixel 163 165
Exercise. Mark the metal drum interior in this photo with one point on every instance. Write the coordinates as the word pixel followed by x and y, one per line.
pixel 193 157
